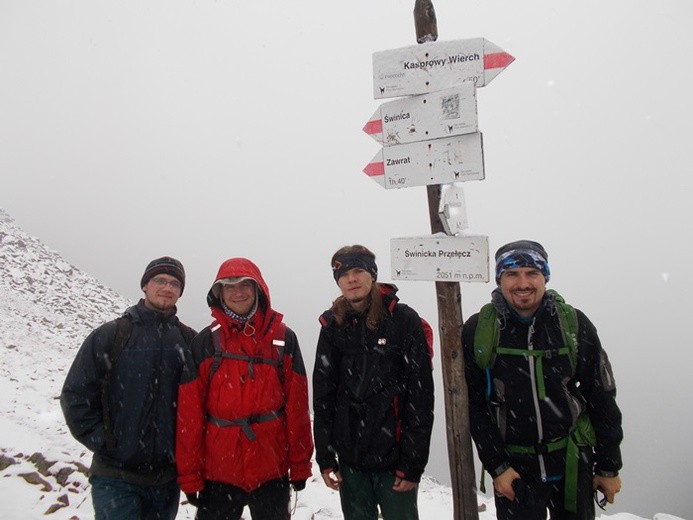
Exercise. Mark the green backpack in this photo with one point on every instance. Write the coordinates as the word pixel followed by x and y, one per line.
pixel 486 347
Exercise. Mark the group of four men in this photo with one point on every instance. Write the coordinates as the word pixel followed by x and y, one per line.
pixel 223 414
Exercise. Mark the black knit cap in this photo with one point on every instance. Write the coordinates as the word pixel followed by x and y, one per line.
pixel 164 265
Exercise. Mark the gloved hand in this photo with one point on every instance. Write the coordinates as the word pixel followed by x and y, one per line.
pixel 298 485
pixel 193 499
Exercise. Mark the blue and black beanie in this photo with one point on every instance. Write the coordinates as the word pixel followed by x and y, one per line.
pixel 522 253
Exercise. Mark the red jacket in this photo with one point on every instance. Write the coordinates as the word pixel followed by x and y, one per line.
pixel 277 442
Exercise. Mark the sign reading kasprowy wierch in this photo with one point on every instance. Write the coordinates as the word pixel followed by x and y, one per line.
pixel 439 114
pixel 432 66
pixel 440 258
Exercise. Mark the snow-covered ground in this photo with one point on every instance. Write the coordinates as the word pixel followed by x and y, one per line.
pixel 47 307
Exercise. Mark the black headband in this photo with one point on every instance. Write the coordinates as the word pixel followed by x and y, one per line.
pixel 343 263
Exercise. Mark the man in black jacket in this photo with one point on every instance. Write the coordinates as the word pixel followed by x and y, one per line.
pixel 372 394
pixel 544 419
pixel 119 400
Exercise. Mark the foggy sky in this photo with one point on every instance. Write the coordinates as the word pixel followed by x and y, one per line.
pixel 206 130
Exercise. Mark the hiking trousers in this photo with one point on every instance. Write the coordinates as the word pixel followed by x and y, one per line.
pixel 362 492
pixel 542 496
pixel 221 501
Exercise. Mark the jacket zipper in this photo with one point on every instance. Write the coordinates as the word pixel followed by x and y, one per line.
pixel 364 363
pixel 535 397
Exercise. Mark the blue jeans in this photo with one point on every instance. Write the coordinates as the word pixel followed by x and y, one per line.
pixel 116 499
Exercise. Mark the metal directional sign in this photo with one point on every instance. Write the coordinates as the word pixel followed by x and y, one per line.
pixel 452 210
pixel 436 66
pixel 439 161
pixel 439 114
pixel 440 258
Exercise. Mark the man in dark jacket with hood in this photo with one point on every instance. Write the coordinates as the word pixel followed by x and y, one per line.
pixel 243 415
pixel 372 394
pixel 119 400
pixel 543 414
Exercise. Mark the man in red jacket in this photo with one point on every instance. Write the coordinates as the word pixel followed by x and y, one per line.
pixel 244 433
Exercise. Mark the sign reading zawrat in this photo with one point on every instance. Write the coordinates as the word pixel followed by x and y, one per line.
pixel 432 66
pixel 438 161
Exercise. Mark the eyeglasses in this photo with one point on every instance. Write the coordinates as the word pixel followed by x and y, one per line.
pixel 161 282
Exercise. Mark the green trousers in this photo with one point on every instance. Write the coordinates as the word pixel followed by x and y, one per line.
pixel 362 492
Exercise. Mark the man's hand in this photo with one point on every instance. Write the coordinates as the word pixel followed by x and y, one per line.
pixel 503 483
pixel 402 485
pixel 607 485
pixel 332 483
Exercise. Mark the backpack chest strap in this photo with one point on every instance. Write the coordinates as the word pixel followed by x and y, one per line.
pixel 539 355
pixel 220 354
pixel 251 360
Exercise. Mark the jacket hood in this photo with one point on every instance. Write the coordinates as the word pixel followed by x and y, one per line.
pixel 236 268
pixel 389 293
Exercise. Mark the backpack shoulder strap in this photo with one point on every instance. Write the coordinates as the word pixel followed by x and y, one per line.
pixel 567 318
pixel 187 332
pixel 486 336
pixel 122 335
pixel 279 341
pixel 216 342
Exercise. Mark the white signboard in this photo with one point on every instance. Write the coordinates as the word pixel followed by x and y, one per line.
pixel 432 66
pixel 439 161
pixel 440 258
pixel 440 114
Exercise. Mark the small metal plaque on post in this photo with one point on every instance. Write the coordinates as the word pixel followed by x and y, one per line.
pixel 452 209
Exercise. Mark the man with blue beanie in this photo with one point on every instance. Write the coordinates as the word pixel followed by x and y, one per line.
pixel 542 397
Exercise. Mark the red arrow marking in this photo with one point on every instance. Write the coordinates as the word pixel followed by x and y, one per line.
pixel 374 169
pixel 497 60
pixel 374 127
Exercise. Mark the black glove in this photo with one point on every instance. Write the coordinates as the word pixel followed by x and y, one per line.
pixel 193 499
pixel 523 494
pixel 298 485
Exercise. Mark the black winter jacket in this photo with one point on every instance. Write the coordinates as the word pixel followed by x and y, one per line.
pixel 373 392
pixel 142 397
pixel 521 418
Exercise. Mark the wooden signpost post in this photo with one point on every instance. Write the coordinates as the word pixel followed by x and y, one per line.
pixel 432 140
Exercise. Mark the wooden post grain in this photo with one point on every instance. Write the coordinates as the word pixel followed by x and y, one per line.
pixel 450 320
